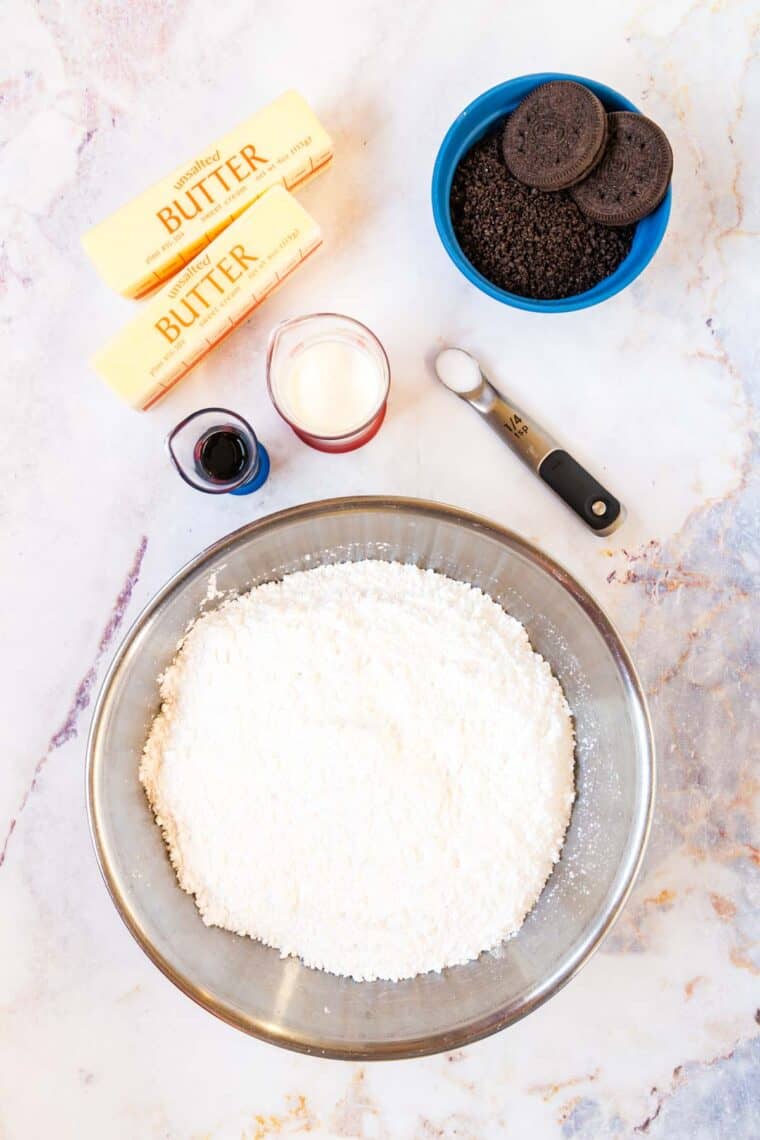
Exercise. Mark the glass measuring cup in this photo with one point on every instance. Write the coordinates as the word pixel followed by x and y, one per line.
pixel 297 386
pixel 217 452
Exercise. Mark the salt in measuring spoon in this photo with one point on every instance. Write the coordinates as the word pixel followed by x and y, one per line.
pixel 461 373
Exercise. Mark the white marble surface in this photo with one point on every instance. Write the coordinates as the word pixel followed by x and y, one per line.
pixel 657 1036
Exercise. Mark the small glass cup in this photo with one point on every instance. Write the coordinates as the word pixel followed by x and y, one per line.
pixel 291 337
pixel 190 438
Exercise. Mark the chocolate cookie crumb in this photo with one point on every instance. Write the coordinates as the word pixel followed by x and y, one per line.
pixel 526 241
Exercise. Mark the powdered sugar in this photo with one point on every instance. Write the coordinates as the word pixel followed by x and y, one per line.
pixel 365 765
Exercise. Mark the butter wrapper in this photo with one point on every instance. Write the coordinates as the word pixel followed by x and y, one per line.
pixel 202 305
pixel 154 236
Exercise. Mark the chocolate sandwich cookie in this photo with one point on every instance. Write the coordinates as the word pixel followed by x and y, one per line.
pixel 633 176
pixel 556 136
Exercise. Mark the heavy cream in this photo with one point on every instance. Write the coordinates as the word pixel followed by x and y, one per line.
pixel 152 237
pixel 330 388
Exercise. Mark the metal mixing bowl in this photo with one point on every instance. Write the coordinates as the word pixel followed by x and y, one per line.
pixel 281 1000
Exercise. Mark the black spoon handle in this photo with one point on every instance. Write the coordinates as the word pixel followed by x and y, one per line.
pixel 592 502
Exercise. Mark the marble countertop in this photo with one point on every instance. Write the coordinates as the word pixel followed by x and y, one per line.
pixel 658 1035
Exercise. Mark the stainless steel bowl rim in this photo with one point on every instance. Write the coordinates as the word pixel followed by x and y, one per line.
pixel 438 1042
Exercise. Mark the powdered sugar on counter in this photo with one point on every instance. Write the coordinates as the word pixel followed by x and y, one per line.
pixel 365 765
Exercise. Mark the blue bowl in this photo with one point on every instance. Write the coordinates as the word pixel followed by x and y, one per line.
pixel 471 125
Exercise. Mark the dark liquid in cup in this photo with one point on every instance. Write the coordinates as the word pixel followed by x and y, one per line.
pixel 223 455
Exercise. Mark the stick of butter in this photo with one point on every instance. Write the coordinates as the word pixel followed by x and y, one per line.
pixel 216 292
pixel 147 241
